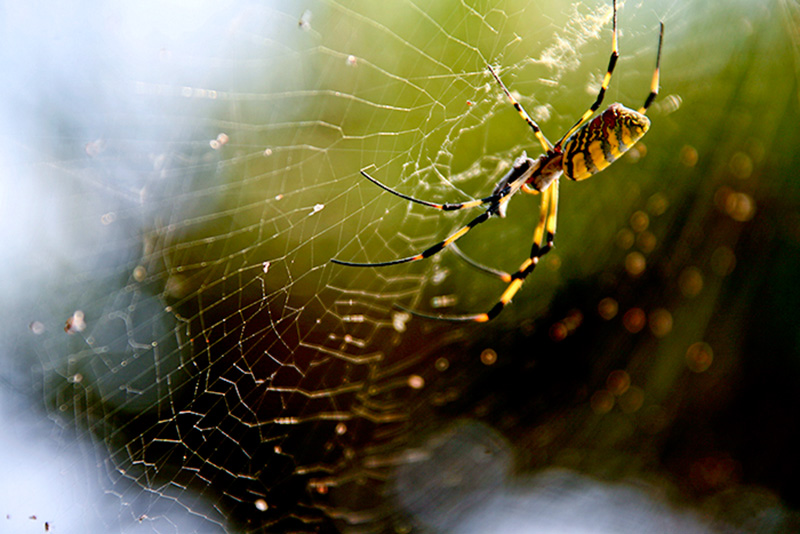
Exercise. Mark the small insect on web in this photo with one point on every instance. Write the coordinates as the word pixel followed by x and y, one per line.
pixel 587 148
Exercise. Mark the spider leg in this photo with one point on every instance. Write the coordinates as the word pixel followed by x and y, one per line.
pixel 445 207
pixel 545 229
pixel 522 113
pixel 530 190
pixel 612 62
pixel 654 83
pixel 438 247
pixel 545 232
pixel 519 174
pixel 502 275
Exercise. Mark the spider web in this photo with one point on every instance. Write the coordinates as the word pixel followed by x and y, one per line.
pixel 187 174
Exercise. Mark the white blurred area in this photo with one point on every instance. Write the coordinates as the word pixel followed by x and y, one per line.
pixel 75 76
pixel 461 480
pixel 53 482
pixel 564 502
pixel 474 491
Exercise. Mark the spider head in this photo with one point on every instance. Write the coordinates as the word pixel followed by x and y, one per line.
pixel 602 140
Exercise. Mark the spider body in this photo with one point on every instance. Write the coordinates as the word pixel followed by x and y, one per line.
pixel 588 147
pixel 592 148
pixel 601 141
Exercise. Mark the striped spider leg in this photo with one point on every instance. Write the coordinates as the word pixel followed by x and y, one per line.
pixel 587 148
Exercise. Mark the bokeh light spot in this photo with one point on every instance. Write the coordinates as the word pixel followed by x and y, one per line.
pixel 416 382
pixel 635 263
pixel 646 242
pixel 573 320
pixel 618 382
pixel 558 331
pixel 634 320
pixel 636 153
pixel 699 357
pixel 741 165
pixel 37 327
pixel 139 273
pixel 660 322
pixel 631 400
pixel 488 357
pixel 639 221
pixel 690 282
pixel 657 204
pixel 601 402
pixel 741 207
pixel 608 308
pixel 737 205
pixel 625 239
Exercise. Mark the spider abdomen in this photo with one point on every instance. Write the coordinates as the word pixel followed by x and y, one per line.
pixel 602 140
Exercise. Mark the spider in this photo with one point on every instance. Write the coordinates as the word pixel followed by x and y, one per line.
pixel 587 148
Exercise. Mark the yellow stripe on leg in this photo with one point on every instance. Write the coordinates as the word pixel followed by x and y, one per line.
pixel 552 216
pixel 544 209
pixel 456 235
pixel 510 291
pixel 471 204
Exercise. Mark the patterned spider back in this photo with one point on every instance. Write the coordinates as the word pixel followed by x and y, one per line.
pixel 599 142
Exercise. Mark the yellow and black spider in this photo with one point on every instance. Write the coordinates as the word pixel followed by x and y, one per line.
pixel 586 149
